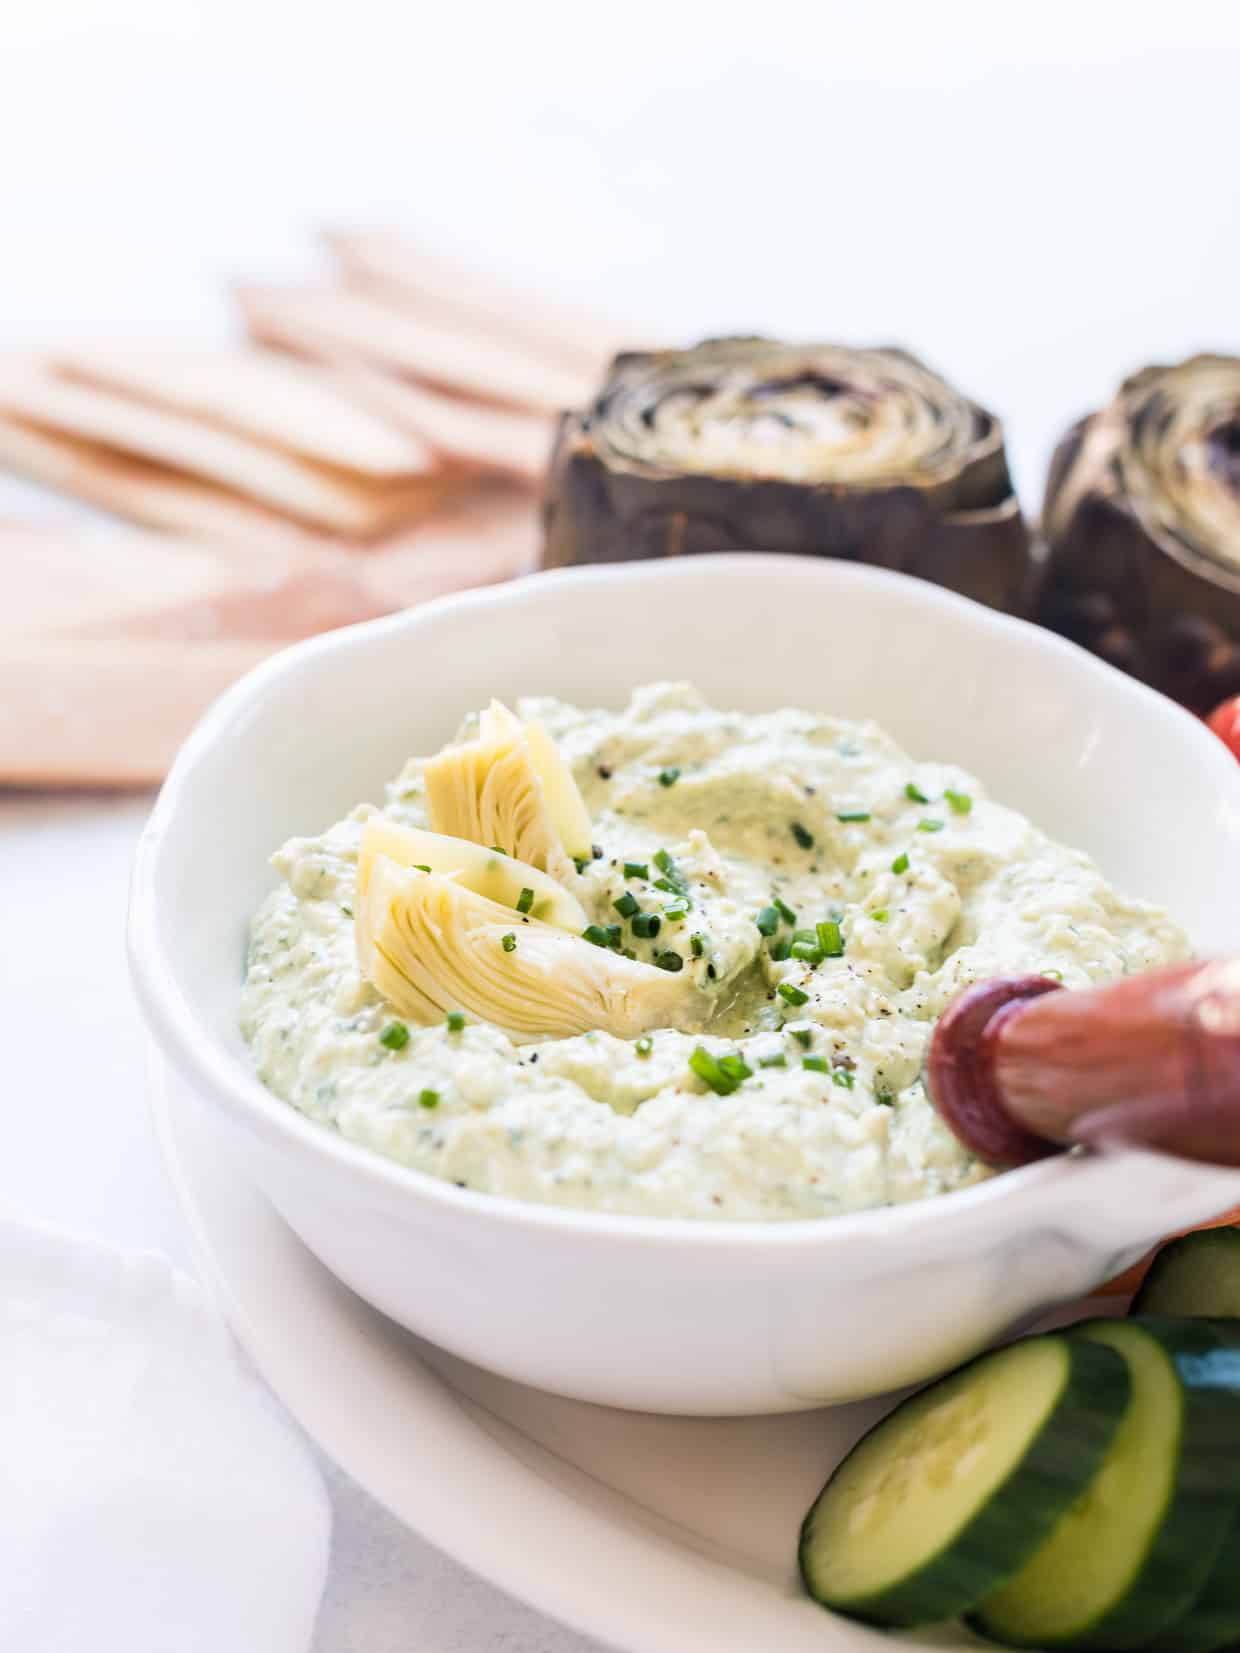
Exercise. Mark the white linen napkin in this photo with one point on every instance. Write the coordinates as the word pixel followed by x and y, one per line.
pixel 151 1495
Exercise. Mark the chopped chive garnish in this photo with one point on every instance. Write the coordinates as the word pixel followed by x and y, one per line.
pixel 781 950
pixel 428 1099
pixel 900 864
pixel 508 942
pixel 347 911
pixel 736 1067
pixel 914 794
pixel 669 777
pixel 807 951
pixel 776 1060
pixel 961 802
pixel 676 912
pixel 455 1021
pixel 784 910
pixel 711 1071
pixel 644 1045
pixel 816 1064
pixel 627 905
pixel 767 921
pixel 627 953
pixel 803 1035
pixel 420 866
pixel 852 815
pixel 636 869
pixel 843 1076
pixel 667 886
pixel 1055 975
pixel 597 934
pixel 664 862
pixel 880 915
pixel 697 945
pixel 669 961
pixel 885 1096
pixel 831 938
pixel 805 935
pixel 497 850
pixel 525 901
pixel 615 935
pixel 929 824
pixel 395 1036
pixel 711 972
pixel 674 879
pixel 646 925
pixel 581 862
pixel 791 994
pixel 802 835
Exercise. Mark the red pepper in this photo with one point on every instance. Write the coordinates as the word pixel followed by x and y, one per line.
pixel 1225 721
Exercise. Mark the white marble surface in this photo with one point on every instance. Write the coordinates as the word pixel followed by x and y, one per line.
pixel 1035 198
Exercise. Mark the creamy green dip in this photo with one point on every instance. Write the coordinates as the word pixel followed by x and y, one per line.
pixel 921 884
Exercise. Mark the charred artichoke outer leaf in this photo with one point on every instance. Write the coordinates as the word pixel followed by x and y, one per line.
pixel 1141 518
pixel 749 444
pixel 430 946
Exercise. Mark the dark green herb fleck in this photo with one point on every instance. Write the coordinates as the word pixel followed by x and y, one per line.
pixel 804 1036
pixel 428 1099
pixel 455 1020
pixel 644 1045
pixel 776 1060
pixel 929 824
pixel 807 951
pixel 669 777
pixel 852 815
pixel 712 1072
pixel 627 905
pixel 636 869
pixel 597 934
pixel 791 994
pixel 831 938
pixel 767 921
pixel 900 864
pixel 525 900
pixel 802 835
pixel 843 1076
pixel 736 1067
pixel 646 925
pixel 781 950
pixel 395 1036
pixel 816 1064
pixel 914 794
pixel 669 961
pixel 698 946
pixel 880 915
pixel 785 911
pixel 508 942
pixel 961 802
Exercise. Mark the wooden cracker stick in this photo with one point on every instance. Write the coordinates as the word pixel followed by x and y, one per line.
pixel 453 357
pixel 422 281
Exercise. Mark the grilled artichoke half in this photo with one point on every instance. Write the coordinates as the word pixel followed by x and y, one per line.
pixel 753 444
pixel 474 866
pixel 510 789
pixel 1142 522
pixel 431 945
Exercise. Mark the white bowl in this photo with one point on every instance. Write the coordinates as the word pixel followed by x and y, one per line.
pixel 665 1315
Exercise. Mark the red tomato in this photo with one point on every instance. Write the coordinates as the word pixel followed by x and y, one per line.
pixel 1225 721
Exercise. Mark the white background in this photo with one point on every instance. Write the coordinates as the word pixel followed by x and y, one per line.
pixel 1035 197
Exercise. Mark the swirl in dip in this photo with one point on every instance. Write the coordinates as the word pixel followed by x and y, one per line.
pixel 828 897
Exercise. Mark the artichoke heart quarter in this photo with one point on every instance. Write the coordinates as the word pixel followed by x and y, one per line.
pixel 510 788
pixel 430 945
pixel 478 868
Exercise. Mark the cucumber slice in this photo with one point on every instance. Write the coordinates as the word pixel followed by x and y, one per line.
pixel 951 1492
pixel 1137 1547
pixel 1213 1621
pixel 1194 1275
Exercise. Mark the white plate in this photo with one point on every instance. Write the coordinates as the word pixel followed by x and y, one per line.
pixel 653 1534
